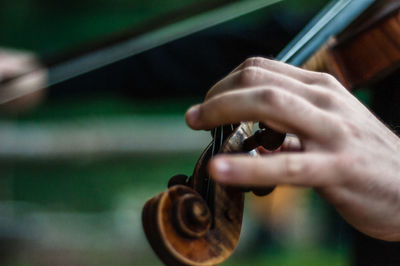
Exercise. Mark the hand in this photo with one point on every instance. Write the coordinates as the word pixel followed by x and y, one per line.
pixel 13 64
pixel 349 157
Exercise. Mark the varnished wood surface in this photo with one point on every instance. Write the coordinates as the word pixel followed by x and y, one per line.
pixel 365 57
pixel 373 54
pixel 159 216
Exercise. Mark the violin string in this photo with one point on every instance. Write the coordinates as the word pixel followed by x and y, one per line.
pixel 213 152
pixel 213 146
pixel 210 181
pixel 212 155
pixel 332 20
pixel 221 138
pixel 311 32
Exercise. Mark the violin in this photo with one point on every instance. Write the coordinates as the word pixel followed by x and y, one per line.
pixel 197 221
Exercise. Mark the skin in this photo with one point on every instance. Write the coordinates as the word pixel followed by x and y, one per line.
pixel 14 63
pixel 343 151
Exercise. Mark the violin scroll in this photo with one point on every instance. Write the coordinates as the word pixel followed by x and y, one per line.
pixel 191 215
pixel 198 221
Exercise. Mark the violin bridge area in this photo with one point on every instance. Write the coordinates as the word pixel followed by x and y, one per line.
pixel 78 160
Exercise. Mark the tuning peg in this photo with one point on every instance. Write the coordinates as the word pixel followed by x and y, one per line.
pixel 275 138
pixel 258 191
pixel 262 191
pixel 177 180
pixel 261 125
pixel 266 137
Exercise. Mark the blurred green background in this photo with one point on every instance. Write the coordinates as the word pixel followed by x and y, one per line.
pixel 76 170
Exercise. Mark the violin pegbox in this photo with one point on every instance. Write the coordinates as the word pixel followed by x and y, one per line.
pixel 197 221
pixel 265 137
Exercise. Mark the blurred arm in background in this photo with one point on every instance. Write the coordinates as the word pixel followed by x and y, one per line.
pixel 20 72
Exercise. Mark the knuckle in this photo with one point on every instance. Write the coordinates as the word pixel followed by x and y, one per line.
pixel 275 99
pixel 248 76
pixel 326 99
pixel 328 81
pixel 253 62
pixel 327 78
pixel 293 167
pixel 349 129
pixel 267 96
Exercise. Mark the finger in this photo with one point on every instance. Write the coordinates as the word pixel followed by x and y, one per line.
pixel 283 111
pixel 291 143
pixel 303 75
pixel 253 77
pixel 27 85
pixel 13 62
pixel 300 169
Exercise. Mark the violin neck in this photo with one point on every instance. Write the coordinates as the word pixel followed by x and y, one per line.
pixel 366 55
pixel 324 61
pixel 332 20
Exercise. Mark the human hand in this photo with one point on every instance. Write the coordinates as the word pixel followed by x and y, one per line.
pixel 31 77
pixel 349 157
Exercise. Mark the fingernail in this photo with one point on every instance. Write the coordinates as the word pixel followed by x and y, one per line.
pixel 192 114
